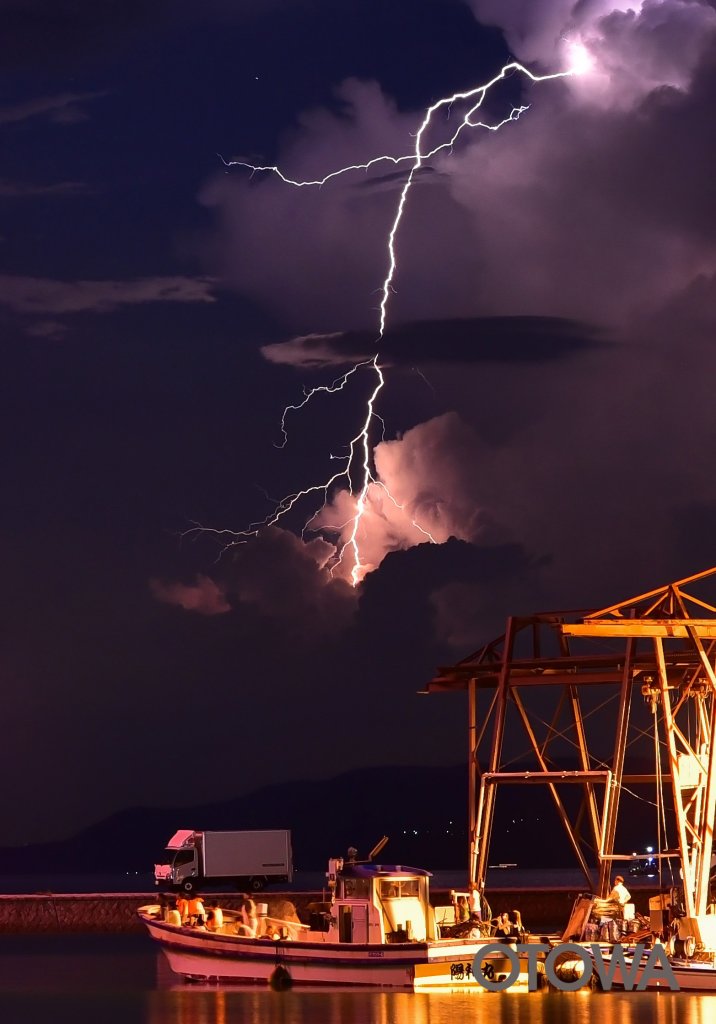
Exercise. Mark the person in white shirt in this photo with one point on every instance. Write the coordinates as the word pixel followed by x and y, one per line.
pixel 474 903
pixel 619 894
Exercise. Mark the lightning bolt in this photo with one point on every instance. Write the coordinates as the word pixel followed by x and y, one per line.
pixel 359 448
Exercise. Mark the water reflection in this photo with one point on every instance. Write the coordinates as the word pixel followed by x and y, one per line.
pixel 259 1006
pixel 661 1007
pixel 73 981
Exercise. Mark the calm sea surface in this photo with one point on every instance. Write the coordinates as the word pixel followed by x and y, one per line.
pixel 124 980
pixel 304 881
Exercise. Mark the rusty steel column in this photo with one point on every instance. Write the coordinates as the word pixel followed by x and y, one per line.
pixel 687 864
pixel 472 776
pixel 486 807
pixel 611 797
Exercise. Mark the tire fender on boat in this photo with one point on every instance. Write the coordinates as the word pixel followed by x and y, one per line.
pixel 568 967
pixel 685 947
pixel 280 979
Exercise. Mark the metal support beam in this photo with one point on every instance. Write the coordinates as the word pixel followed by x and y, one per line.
pixel 486 808
pixel 473 768
pixel 681 820
pixel 611 799
pixel 626 628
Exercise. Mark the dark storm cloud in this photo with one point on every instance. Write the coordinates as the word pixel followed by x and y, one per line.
pixel 61 31
pixel 39 295
pixel 28 190
pixel 505 339
pixel 664 170
pixel 457 592
pixel 52 329
pixel 203 596
pixel 64 31
pixel 377 181
pixel 237 10
pixel 287 581
pixel 63 108
pixel 279 578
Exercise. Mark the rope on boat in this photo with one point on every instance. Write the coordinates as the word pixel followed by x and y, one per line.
pixel 288 924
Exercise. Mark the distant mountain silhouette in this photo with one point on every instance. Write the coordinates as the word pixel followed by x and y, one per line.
pixel 422 809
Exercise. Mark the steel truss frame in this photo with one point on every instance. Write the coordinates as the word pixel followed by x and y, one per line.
pixel 660 645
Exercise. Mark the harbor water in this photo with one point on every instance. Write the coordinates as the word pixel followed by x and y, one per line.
pixel 310 881
pixel 125 980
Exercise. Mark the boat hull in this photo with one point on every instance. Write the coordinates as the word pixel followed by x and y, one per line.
pixel 202 956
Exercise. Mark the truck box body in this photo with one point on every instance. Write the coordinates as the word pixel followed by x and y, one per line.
pixel 246 854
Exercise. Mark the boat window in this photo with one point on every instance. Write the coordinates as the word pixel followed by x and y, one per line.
pixel 356 888
pixel 392 889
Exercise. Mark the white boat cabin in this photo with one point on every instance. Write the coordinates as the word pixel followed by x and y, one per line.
pixel 379 903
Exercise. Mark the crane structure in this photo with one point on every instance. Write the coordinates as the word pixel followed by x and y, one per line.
pixel 607 683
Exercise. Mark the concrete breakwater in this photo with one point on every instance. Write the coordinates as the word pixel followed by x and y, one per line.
pixel 55 913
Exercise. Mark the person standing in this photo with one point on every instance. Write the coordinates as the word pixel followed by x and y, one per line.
pixel 619 894
pixel 197 914
pixel 182 906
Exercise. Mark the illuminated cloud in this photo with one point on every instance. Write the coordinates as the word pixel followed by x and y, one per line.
pixel 312 351
pixel 316 256
pixel 588 186
pixel 205 596
pixel 42 295
pixel 635 45
pixel 433 475
pixel 595 208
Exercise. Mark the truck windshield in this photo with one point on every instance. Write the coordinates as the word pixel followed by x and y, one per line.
pixel 183 857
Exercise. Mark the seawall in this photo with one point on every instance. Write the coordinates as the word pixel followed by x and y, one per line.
pixel 55 913
pixel 49 913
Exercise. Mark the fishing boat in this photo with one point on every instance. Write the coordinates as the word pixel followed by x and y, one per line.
pixel 378 929
pixel 640 673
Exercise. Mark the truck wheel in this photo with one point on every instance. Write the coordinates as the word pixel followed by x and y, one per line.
pixel 188 885
pixel 257 884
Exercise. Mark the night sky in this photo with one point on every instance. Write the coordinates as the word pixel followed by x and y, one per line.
pixel 549 360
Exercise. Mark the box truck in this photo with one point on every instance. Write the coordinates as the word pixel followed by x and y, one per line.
pixel 246 860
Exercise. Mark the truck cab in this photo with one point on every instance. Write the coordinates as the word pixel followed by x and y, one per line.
pixel 182 867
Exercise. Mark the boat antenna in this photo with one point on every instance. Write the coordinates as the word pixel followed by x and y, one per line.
pixel 377 848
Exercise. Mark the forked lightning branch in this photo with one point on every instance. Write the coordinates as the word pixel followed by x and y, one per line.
pixel 357 472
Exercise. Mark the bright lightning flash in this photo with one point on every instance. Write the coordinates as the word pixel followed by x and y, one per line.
pixel 581 61
pixel 358 463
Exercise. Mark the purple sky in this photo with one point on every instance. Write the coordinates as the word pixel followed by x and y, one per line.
pixel 547 414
